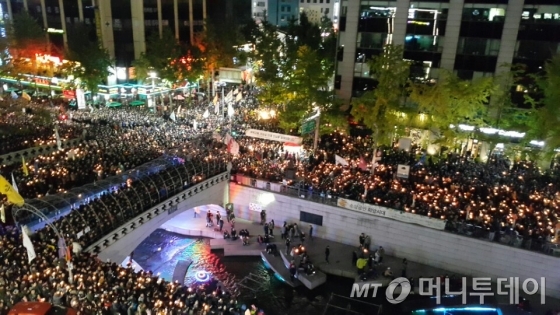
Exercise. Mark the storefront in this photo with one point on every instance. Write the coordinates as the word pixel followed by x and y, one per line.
pixel 108 92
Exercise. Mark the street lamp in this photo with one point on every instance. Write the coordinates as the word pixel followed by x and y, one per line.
pixel 153 76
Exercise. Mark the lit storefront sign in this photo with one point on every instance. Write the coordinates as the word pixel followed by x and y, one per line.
pixel 55 31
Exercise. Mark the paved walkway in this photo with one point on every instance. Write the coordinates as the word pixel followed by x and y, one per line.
pixel 340 260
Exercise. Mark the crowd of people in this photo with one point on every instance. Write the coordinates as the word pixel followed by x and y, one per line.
pixel 114 142
pixel 19 131
pixel 106 287
pixel 499 196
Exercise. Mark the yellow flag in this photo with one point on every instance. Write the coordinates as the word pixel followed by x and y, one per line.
pixel 7 189
pixel 24 167
pixel 26 96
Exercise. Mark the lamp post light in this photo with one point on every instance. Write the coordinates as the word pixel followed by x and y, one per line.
pixel 153 76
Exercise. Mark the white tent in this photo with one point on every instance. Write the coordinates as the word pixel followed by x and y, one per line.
pixel 179 97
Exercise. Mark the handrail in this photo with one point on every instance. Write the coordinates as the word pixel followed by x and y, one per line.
pixel 35 151
pixel 464 229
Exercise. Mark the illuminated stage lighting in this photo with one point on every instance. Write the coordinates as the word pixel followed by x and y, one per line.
pixel 202 276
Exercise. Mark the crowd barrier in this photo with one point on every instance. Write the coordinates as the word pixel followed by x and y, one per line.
pixel 508 237
pixel 35 151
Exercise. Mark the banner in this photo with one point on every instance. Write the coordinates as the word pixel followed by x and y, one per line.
pixel 403 171
pixel 28 245
pixel 261 134
pixel 401 216
pixel 81 98
pixel 339 160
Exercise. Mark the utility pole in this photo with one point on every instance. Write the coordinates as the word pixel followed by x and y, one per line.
pixel 317 124
pixel 223 100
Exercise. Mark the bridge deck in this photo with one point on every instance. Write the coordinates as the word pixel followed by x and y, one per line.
pixel 276 264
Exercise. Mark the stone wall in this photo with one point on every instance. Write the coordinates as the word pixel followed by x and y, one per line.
pixel 456 253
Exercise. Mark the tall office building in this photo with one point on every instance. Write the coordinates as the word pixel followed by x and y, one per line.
pixel 317 9
pixel 122 26
pixel 473 38
pixel 277 12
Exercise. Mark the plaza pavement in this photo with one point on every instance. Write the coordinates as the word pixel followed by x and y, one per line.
pixel 340 260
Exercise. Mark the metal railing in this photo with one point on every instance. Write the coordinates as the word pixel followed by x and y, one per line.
pixel 32 152
pixel 507 237
pixel 166 173
pixel 167 206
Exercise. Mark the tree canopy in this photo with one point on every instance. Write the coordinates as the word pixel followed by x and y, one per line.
pixel 382 109
pixel 546 120
pixel 91 64
pixel 294 69
pixel 451 101
pixel 26 37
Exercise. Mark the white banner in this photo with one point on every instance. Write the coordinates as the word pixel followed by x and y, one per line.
pixel 401 216
pixel 81 98
pixel 261 134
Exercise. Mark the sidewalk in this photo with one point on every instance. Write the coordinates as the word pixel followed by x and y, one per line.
pixel 340 259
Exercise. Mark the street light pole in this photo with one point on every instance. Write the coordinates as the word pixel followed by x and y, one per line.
pixel 56 231
pixel 223 100
pixel 153 76
pixel 316 140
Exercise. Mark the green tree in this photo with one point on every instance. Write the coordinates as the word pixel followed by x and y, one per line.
pixel 161 53
pixel 91 63
pixel 142 67
pixel 26 38
pixel 452 101
pixel 268 54
pixel 382 109
pixel 216 47
pixel 308 84
pixel 546 122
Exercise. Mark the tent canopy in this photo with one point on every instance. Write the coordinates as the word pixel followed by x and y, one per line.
pixel 114 104
pixel 137 103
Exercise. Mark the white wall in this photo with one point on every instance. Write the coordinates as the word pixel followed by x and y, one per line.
pixel 466 256
pixel 120 249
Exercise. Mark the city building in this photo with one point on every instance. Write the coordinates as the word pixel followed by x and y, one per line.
pixel 316 10
pixel 277 12
pixel 473 38
pixel 122 27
